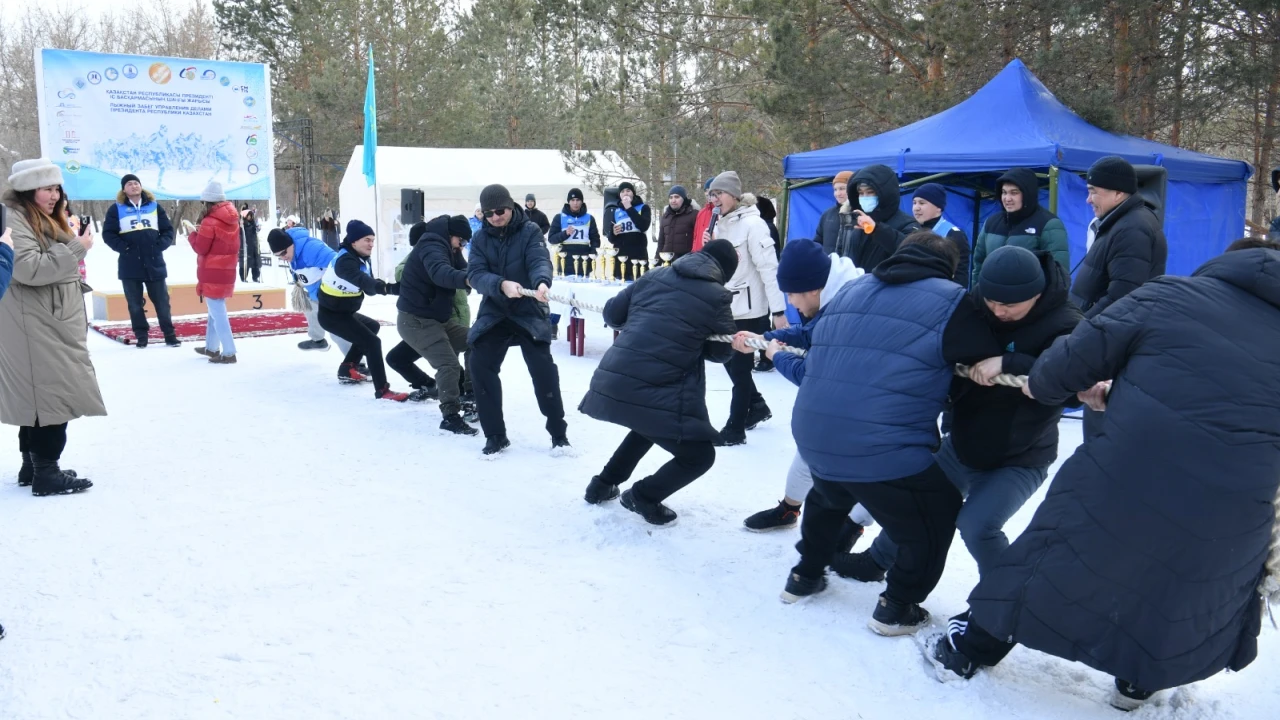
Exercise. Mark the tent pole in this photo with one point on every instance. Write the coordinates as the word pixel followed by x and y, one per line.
pixel 923 180
pixel 786 205
pixel 1053 189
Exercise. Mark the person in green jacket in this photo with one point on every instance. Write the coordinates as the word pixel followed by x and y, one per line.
pixel 1022 223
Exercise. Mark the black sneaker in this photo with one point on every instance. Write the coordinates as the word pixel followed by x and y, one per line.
pixel 948 662
pixel 320 344
pixel 599 491
pixel 496 444
pixel 763 365
pixel 654 513
pixel 172 341
pixel 800 587
pixel 775 518
pixel 892 618
pixel 757 414
pixel 729 436
pixel 423 394
pixel 1128 698
pixel 560 441
pixel 848 537
pixel 454 424
pixel 141 343
pixel 470 412
pixel 857 566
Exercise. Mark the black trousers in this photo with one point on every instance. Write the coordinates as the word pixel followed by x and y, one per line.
pixel 402 358
pixel 918 511
pixel 250 259
pixel 159 293
pixel 44 441
pixel 362 333
pixel 740 369
pixel 634 249
pixel 692 460
pixel 487 354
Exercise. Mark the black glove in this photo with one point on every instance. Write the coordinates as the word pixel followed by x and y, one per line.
pixel 379 287
pixel 391 288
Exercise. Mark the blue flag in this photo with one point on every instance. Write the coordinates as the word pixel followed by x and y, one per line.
pixel 370 126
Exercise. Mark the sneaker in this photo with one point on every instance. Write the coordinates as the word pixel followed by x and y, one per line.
pixel 1127 698
pixel 800 587
pixel 775 518
pixel 385 393
pixel 654 513
pixel 850 531
pixel 763 365
pixel 948 662
pixel 223 359
pixel 599 491
pixel 141 343
pixel 454 424
pixel 892 618
pixel 857 566
pixel 349 375
pixel 172 341
pixel 470 412
pixel 496 444
pixel 560 441
pixel 423 394
pixel 757 414
pixel 364 369
pixel 201 350
pixel 728 437
pixel 320 344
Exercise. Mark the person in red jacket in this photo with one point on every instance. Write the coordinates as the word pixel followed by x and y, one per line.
pixel 217 245
pixel 702 224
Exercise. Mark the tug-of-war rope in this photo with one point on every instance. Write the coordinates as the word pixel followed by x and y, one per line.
pixel 1270 586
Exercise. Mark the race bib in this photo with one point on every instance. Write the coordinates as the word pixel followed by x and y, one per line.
pixel 623 221
pixel 576 229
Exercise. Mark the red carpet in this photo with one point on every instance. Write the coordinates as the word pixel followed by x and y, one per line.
pixel 249 324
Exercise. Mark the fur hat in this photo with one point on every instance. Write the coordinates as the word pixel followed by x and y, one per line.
pixel 213 192
pixel 727 182
pixel 278 240
pixel 35 173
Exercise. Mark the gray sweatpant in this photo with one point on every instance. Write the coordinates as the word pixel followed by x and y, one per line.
pixel 315 332
pixel 800 482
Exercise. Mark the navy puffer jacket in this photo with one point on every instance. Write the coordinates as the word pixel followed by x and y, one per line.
pixel 513 252
pixel 653 379
pixel 1144 559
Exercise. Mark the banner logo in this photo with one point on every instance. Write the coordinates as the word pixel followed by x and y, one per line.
pixel 159 73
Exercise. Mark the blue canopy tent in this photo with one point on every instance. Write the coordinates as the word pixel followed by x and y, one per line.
pixel 1014 121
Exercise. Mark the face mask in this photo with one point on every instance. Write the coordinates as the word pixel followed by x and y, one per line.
pixel 868 203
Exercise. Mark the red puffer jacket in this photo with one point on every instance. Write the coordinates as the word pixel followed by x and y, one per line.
pixel 217 246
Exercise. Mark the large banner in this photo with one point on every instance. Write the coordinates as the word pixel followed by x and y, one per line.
pixel 173 122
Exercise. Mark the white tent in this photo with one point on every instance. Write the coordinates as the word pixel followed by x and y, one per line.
pixel 451 180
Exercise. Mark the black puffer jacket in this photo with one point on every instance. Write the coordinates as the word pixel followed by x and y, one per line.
pixel 828 232
pixel 539 218
pixel 1128 250
pixel 998 426
pixel 513 252
pixel 892 225
pixel 653 379
pixel 1144 559
pixel 433 273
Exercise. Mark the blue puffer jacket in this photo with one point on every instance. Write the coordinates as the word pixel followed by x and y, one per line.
pixel 1145 557
pixel 876 376
pixel 311 257
pixel 513 252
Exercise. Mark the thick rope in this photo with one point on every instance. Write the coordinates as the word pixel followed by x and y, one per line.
pixel 1015 381
pixel 1270 587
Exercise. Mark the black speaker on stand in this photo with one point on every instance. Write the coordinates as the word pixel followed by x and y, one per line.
pixel 1153 185
pixel 412 208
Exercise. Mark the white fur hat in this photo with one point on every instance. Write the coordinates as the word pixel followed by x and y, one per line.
pixel 213 192
pixel 35 173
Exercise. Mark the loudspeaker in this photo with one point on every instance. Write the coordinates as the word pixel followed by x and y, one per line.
pixel 411 206
pixel 1153 185
pixel 610 201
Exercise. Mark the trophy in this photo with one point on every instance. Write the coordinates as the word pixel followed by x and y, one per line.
pixel 578 265
pixel 606 273
pixel 666 257
pixel 595 267
pixel 635 269
pixel 560 264
pixel 623 275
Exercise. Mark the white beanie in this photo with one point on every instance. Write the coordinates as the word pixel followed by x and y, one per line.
pixel 213 192
pixel 32 174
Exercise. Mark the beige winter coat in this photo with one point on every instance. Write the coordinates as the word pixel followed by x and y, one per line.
pixel 45 372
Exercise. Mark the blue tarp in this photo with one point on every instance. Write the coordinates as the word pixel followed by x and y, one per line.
pixel 1014 121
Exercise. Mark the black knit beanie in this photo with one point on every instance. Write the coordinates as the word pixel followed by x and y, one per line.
pixel 725 255
pixel 459 227
pixel 278 240
pixel 494 197
pixel 1113 173
pixel 1011 275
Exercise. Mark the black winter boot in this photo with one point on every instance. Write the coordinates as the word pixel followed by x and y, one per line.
pixel 48 479
pixel 730 436
pixel 892 618
pixel 848 537
pixel 799 587
pixel 26 472
pixel 654 513
pixel 857 566
pixel 423 393
pixel 948 662
pixel 757 414
pixel 496 444
pixel 454 424
pixel 560 440
pixel 1127 697
pixel 599 491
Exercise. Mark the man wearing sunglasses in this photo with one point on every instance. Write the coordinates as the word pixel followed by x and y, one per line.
pixel 507 256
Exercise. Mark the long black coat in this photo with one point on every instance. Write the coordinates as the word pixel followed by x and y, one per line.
pixel 1129 250
pixel 653 379
pixel 513 252
pixel 1145 558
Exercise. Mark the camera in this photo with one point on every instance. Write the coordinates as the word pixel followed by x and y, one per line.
pixel 84 223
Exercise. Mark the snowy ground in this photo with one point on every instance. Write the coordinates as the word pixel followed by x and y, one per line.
pixel 263 543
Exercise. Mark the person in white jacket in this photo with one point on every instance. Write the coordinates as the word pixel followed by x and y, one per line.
pixel 755 298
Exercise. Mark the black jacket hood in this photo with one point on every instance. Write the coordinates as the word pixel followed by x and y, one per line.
pixel 912 263
pixel 885 182
pixel 438 226
pixel 700 266
pixel 1256 271
pixel 1025 180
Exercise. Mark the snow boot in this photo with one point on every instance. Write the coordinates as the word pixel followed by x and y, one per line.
pixel 730 436
pixel 385 393
pixel 454 424
pixel 775 518
pixel 26 472
pixel 422 393
pixel 948 662
pixel 892 618
pixel 49 479
pixel 1127 698
pixel 1 632
pixel 800 587
pixel 654 513
pixel 496 444
pixel 560 441
pixel 763 365
pixel 172 341
pixel 857 566
pixel 202 350
pixel 223 360
pixel 349 375
pixel 850 531
pixel 599 491
pixel 140 342
pixel 757 414
pixel 320 344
